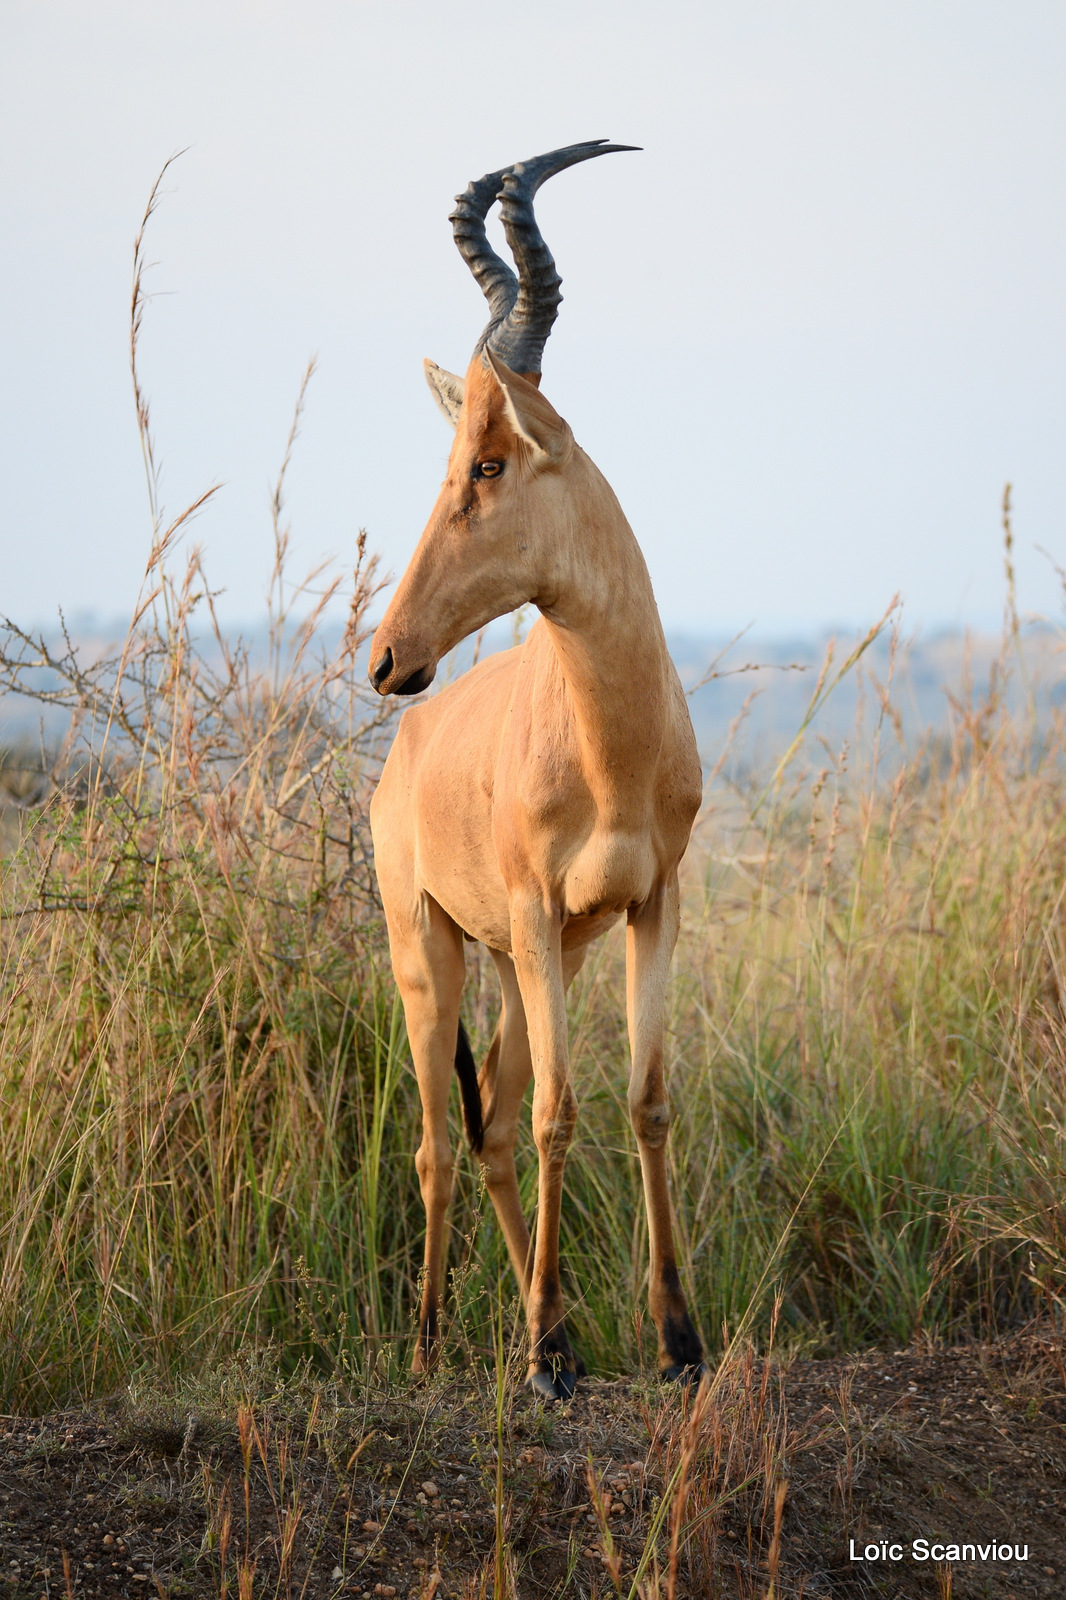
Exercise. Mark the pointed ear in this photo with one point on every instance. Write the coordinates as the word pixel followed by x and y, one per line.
pixel 532 417
pixel 447 390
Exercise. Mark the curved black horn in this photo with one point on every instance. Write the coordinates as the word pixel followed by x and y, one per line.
pixel 498 283
pixel 520 339
pixel 523 309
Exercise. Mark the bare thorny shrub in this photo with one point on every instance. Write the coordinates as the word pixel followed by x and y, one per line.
pixel 181 743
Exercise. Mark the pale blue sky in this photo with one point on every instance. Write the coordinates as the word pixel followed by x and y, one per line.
pixel 807 334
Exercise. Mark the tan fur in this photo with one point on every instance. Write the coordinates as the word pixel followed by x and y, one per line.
pixel 531 804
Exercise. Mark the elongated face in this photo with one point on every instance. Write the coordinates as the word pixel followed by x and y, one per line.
pixel 491 543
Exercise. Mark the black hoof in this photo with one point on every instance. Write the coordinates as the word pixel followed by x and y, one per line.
pixel 683 1375
pixel 547 1386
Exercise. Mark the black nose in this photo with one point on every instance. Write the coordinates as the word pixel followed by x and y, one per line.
pixel 379 673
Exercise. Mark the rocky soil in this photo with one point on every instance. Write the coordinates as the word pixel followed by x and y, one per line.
pixel 770 1483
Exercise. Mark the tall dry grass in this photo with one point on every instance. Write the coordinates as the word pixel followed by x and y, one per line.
pixel 199 1043
pixel 207 1113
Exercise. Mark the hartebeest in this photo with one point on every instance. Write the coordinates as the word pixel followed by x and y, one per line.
pixel 543 795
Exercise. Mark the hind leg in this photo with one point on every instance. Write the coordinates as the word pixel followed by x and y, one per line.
pixel 427 960
pixel 503 1082
pixel 650 939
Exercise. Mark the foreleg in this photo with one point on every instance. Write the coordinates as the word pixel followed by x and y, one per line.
pixel 537 951
pixel 504 1080
pixel 650 939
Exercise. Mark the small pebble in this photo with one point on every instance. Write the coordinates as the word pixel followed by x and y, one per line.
pixel 371 1527
pixel 429 1489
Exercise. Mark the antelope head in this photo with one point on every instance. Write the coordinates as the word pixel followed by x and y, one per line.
pixel 493 540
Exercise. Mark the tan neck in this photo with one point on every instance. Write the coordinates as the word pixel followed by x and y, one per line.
pixel 608 640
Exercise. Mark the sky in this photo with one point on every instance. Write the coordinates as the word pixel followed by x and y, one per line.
pixel 808 333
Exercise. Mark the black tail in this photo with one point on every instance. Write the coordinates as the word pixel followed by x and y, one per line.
pixel 466 1072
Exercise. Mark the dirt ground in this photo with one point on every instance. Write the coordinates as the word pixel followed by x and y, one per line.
pixel 770 1484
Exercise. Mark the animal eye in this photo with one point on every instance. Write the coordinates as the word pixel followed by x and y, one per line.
pixel 488 469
